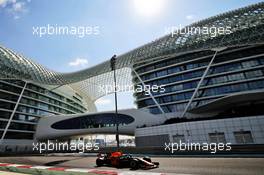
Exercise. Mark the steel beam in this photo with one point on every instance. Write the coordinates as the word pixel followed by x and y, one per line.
pixel 199 84
pixel 13 113
pixel 153 98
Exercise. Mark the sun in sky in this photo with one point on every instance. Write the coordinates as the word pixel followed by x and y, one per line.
pixel 149 8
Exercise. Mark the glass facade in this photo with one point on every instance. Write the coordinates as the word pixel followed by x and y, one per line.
pixel 233 70
pixel 93 121
pixel 36 102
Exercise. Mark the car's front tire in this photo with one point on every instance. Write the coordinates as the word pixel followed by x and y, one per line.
pixel 156 163
pixel 99 162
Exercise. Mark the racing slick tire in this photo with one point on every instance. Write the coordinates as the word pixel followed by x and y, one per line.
pixel 99 162
pixel 156 163
pixel 134 164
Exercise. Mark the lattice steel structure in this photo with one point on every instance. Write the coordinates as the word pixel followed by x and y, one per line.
pixel 247 28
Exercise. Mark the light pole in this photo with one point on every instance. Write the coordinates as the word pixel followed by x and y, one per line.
pixel 113 67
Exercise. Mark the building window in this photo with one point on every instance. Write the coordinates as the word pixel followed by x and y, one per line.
pixel 173 70
pixel 255 73
pixel 235 77
pixel 217 137
pixel 177 138
pixel 243 137
pixel 250 63
pixel 177 87
pixel 256 84
pixel 162 73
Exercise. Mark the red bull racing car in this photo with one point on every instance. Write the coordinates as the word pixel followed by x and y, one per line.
pixel 119 160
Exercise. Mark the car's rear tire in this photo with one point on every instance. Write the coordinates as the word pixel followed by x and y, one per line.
pixel 133 164
pixel 99 162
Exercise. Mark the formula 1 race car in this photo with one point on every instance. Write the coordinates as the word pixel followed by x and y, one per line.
pixel 119 160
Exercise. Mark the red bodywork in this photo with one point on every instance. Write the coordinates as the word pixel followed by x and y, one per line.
pixel 120 160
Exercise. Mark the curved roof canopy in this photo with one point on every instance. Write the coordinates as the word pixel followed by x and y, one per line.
pixel 247 28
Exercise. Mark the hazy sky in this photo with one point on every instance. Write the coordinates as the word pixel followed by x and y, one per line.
pixel 122 25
